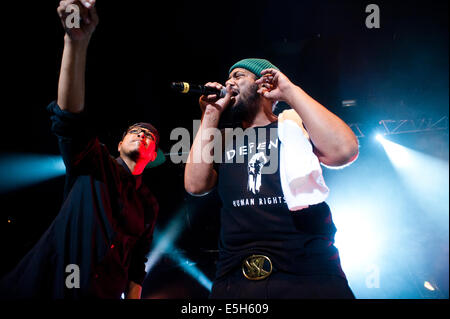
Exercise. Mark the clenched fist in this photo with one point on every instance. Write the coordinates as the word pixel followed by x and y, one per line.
pixel 79 18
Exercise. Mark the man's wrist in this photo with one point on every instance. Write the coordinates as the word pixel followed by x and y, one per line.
pixel 78 45
pixel 211 117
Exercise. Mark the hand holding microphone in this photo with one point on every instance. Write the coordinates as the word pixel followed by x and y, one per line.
pixel 214 94
pixel 185 87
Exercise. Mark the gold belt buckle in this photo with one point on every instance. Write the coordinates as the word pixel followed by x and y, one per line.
pixel 257 267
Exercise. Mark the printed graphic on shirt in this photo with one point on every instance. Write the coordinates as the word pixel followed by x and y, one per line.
pixel 259 201
pixel 255 166
pixel 266 141
pixel 259 156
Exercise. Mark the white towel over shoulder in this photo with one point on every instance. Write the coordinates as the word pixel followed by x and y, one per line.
pixel 300 171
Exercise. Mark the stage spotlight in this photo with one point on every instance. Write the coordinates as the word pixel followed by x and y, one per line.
pixel 429 286
pixel 21 170
pixel 379 137
pixel 392 196
pixel 424 176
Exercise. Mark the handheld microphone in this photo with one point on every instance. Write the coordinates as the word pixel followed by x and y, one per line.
pixel 184 87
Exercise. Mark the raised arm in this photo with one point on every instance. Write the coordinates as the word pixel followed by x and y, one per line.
pixel 71 85
pixel 199 175
pixel 334 142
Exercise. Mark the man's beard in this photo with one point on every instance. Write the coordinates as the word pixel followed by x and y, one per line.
pixel 134 154
pixel 246 107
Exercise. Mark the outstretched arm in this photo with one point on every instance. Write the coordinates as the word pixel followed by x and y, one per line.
pixel 71 85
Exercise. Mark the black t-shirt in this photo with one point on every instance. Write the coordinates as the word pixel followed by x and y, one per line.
pixel 255 218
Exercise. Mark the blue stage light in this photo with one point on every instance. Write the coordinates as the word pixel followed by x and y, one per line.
pixel 358 239
pixel 190 268
pixel 163 243
pixel 391 212
pixel 22 170
pixel 379 137
pixel 424 176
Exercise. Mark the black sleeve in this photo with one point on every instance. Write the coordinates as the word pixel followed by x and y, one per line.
pixel 80 149
pixel 71 127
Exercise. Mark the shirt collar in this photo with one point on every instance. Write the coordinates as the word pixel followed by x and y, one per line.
pixel 136 178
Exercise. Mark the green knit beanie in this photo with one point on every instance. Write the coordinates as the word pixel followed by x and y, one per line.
pixel 253 65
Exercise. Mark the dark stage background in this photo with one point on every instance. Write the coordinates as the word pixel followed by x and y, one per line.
pixel 399 71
